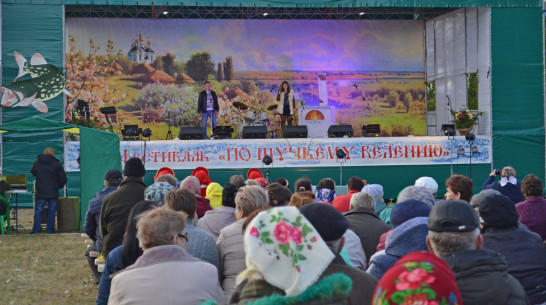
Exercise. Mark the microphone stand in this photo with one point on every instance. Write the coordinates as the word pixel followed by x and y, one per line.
pixel 301 99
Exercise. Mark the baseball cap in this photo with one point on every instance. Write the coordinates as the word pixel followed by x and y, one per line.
pixel 452 216
pixel 113 175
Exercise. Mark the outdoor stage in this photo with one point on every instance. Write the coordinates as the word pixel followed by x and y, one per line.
pixel 313 152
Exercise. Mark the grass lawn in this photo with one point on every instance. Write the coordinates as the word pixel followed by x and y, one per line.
pixel 44 269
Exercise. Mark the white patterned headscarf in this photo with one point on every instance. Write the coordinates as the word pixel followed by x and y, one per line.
pixel 284 249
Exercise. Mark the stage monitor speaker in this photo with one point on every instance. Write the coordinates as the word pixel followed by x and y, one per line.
pixel 371 130
pixel 190 133
pixel 224 132
pixel 298 131
pixel 340 131
pixel 108 110
pixel 254 132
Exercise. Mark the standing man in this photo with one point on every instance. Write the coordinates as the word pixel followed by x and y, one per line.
pixel 207 106
pixel 50 177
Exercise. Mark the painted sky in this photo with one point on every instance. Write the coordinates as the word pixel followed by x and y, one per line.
pixel 268 45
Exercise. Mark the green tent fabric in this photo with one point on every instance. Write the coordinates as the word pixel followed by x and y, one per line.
pixel 99 151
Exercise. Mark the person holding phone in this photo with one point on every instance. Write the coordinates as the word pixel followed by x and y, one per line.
pixel 508 185
pixel 286 106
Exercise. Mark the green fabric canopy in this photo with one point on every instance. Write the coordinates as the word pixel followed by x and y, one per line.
pixel 99 152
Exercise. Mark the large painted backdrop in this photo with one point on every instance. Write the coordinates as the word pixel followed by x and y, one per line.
pixel 369 72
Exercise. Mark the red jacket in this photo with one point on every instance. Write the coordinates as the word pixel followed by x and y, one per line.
pixel 343 203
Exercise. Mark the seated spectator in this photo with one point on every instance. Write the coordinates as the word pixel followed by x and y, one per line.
pixel 170 179
pixel 376 190
pixel 408 237
pixel 331 225
pixel 522 249
pixel 124 255
pixel 407 280
pixel 156 192
pixel 459 187
pixel 403 212
pixel 163 171
pixel 202 174
pixel 532 211
pixel 249 182
pixel 278 233
pixel 301 198
pixel 482 275
pixel 237 180
pixel 418 193
pixel 429 183
pixel 478 198
pixel 230 241
pixel 278 195
pixel 191 183
pixel 325 191
pixel 201 244
pixel 283 182
pixel 303 184
pixel 216 220
pixel 214 195
pixel 112 179
pixel 254 174
pixel 160 275
pixel 508 185
pixel 365 223
pixel 343 203
pixel 262 182
pixel 355 257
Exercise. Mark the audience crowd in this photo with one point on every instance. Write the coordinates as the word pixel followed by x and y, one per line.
pixel 200 241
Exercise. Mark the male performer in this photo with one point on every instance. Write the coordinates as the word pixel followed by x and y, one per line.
pixel 207 106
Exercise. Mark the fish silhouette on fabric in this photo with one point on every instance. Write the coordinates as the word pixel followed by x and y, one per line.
pixel 46 82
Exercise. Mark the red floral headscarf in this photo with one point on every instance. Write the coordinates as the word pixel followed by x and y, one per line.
pixel 418 278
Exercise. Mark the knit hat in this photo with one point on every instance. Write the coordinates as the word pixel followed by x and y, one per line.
pixel 157 191
pixel 113 175
pixel 203 175
pixel 376 190
pixel 163 171
pixel 283 248
pixel 429 183
pixel 498 211
pixel 418 278
pixel 278 194
pixel 417 193
pixel 478 198
pixel 214 195
pixel 452 216
pixel 407 210
pixel 254 174
pixel 134 168
pixel 329 222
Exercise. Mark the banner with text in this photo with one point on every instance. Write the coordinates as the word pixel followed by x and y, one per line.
pixel 298 152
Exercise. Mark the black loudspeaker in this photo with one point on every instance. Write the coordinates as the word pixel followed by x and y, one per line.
pixel 254 132
pixel 190 133
pixel 224 132
pixel 340 131
pixel 371 130
pixel 298 131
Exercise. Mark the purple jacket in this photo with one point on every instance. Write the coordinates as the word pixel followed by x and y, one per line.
pixel 532 213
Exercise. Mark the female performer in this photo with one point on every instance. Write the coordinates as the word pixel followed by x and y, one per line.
pixel 286 106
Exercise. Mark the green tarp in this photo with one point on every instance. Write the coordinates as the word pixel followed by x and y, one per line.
pixel 99 151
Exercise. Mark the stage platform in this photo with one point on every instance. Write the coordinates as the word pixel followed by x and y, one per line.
pixel 308 152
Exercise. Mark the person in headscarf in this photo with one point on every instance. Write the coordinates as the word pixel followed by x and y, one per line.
pixel 325 191
pixel 214 195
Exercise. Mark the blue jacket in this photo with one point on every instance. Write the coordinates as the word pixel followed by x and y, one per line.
pixel 509 190
pixel 404 239
pixel 202 245
pixel 112 265
pixel 526 257
pixel 92 217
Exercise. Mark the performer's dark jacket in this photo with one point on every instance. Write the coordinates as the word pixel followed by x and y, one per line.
pixel 202 102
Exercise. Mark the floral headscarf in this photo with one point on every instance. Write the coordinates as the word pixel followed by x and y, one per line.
pixel 283 248
pixel 325 194
pixel 418 278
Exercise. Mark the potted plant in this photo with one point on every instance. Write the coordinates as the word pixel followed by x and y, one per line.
pixel 464 120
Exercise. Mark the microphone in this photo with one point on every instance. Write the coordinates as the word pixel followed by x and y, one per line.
pixel 448 100
pixel 356 87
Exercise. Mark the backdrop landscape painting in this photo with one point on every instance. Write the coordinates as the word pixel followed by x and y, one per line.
pixel 153 70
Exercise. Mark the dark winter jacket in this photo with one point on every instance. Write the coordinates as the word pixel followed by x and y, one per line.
pixel 91 226
pixel 526 258
pixel 509 190
pixel 202 102
pixel 115 211
pixel 50 176
pixel 483 278
pixel 365 223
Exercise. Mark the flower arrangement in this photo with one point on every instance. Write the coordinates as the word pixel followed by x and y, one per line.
pixel 464 119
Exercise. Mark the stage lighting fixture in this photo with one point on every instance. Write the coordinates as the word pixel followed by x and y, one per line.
pixel 361 13
pixel 448 130
pixel 265 14
pixel 470 136
pixel 147 133
pixel 341 154
pixel 165 12
pixel 267 160
pixel 130 132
